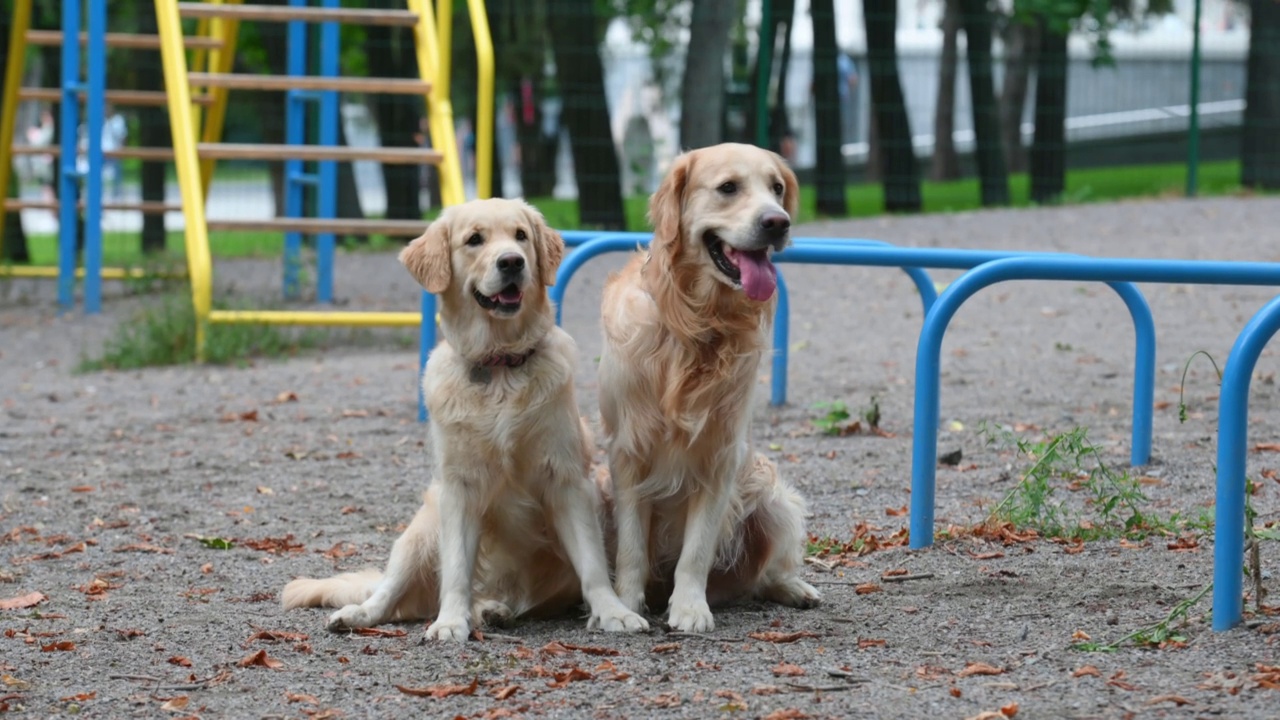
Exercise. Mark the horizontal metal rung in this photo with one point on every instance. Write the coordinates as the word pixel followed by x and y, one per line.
pixel 316 226
pixel 142 153
pixel 252 151
pixel 272 13
pixel 147 208
pixel 121 40
pixel 238 81
pixel 153 98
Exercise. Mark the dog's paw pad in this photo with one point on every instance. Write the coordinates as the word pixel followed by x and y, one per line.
pixel 691 617
pixel 351 616
pixel 795 593
pixel 625 621
pixel 449 631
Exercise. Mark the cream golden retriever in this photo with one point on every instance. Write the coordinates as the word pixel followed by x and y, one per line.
pixel 511 524
pixel 700 517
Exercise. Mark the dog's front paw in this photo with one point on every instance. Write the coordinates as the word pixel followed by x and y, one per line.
pixel 492 613
pixel 351 616
pixel 618 619
pixel 691 616
pixel 449 630
pixel 793 592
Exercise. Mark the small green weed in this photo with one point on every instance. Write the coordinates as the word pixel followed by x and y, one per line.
pixel 1163 633
pixel 1182 386
pixel 836 413
pixel 1113 502
pixel 164 333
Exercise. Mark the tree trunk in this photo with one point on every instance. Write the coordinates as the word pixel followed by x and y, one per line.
pixel 901 172
pixel 1021 51
pixel 15 239
pixel 992 173
pixel 780 133
pixel 702 90
pixel 946 163
pixel 153 131
pixel 1260 140
pixel 1049 147
pixel 580 74
pixel 399 117
pixel 826 98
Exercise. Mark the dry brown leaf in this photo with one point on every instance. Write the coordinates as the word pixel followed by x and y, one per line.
pixel 867 589
pixel 63 646
pixel 666 700
pixel 865 643
pixel 375 632
pixel 1080 636
pixel 979 668
pixel 179 661
pixel 259 659
pixel 987 555
pixel 786 714
pixel 279 636
pixel 440 691
pixel 31 599
pixel 1117 680
pixel 986 715
pixel 1175 699
pixel 144 547
pixel 781 637
pixel 1009 710
pixel 80 697
pixel 1267 447
pixel 896 512
pixel 1087 671
pixel 299 697
pixel 786 669
pixel 83 489
pixel 503 693
pixel 665 648
pixel 894 573
pixel 955 691
pixel 176 704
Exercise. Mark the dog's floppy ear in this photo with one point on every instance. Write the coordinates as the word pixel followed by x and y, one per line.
pixel 427 258
pixel 549 247
pixel 667 204
pixel 791 191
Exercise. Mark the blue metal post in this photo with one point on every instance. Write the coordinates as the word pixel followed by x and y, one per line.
pixel 68 127
pixel 426 341
pixel 1233 436
pixel 330 49
pixel 95 121
pixel 295 134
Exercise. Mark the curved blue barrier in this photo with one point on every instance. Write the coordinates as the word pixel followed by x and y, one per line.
pixel 1233 436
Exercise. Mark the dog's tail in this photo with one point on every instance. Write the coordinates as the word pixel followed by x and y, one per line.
pixel 335 592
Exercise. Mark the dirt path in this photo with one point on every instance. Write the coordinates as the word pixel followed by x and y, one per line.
pixel 312 464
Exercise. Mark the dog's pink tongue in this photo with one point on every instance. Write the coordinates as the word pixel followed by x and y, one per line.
pixel 510 295
pixel 759 277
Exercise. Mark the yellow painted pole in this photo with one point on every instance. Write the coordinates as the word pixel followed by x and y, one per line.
pixel 484 98
pixel 182 127
pixel 444 45
pixel 9 112
pixel 221 60
pixel 439 109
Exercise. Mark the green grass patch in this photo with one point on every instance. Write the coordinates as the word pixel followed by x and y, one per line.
pixel 164 333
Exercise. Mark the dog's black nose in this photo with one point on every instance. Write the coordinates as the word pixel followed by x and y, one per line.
pixel 511 263
pixel 775 224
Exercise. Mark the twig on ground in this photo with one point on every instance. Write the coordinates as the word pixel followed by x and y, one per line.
pixel 826 688
pixel 905 578
pixel 138 678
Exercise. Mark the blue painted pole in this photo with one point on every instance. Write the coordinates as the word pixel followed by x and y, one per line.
pixel 781 346
pixel 1233 436
pixel 426 342
pixel 95 121
pixel 68 128
pixel 295 134
pixel 330 50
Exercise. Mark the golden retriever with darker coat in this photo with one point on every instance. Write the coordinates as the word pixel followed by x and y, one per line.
pixel 700 518
pixel 511 524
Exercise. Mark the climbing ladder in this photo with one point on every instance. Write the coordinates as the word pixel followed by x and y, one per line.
pixel 73 183
pixel 195 157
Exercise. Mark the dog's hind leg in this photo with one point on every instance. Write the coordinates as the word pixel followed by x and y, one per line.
pixel 779 512
pixel 632 516
pixel 408 589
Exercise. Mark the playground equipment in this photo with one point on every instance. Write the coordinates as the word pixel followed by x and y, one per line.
pixel 194 158
pixel 74 89
pixel 986 268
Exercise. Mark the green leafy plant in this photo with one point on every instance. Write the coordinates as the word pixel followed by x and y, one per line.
pixel 1166 630
pixel 836 412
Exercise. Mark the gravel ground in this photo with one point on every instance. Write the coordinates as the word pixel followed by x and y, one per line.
pixel 314 463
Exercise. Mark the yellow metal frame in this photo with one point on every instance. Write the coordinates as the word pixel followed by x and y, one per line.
pixel 15 64
pixel 9 114
pixel 433 41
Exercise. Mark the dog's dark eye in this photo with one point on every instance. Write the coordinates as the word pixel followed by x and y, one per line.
pixel 777 189
pixel 475 240
pixel 728 188
pixel 520 235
